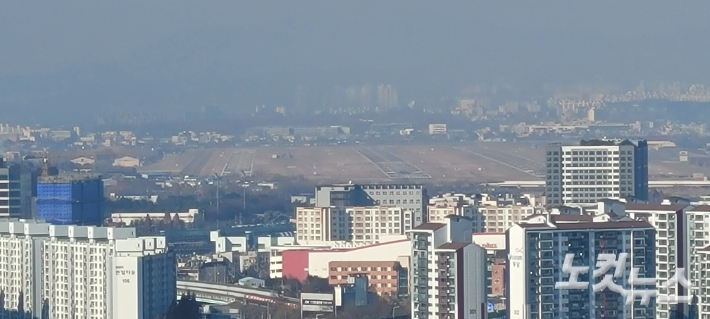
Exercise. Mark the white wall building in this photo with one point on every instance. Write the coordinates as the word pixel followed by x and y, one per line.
pixel 412 197
pixel 85 272
pixel 127 217
pixel 437 213
pixel 240 243
pixel 501 212
pixel 536 251
pixel 127 161
pixel 447 271
pixel 360 224
pixel 578 174
pixel 299 262
pixel 436 129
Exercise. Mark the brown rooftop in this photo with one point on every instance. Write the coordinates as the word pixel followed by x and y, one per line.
pixel 564 217
pixel 655 207
pixel 393 264
pixel 429 226
pixel 453 245
pixel 572 217
pixel 702 208
pixel 606 225
pixel 706 249
pixel 594 225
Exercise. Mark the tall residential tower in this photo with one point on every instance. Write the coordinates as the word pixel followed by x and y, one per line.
pixel 596 169
pixel 84 272
pixel 537 248
pixel 447 271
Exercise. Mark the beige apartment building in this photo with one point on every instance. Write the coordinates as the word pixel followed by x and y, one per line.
pixel 438 211
pixel 383 276
pixel 362 224
pixel 499 214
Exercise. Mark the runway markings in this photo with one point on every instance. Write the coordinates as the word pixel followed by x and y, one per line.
pixel 392 165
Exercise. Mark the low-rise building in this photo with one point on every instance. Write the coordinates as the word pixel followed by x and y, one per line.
pixel 300 263
pixel 252 282
pixel 127 217
pixel 127 161
pixel 250 242
pixel 437 129
pixel 386 278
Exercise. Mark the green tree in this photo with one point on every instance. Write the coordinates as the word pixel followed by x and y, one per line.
pixel 186 308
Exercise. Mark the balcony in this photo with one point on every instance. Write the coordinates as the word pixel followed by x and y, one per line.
pixel 608 243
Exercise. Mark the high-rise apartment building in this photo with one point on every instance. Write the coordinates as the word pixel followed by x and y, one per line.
pixel 447 271
pixel 16 190
pixel 84 272
pixel 536 251
pixel 70 199
pixel 501 213
pixel 360 224
pixel 386 97
pixel 438 212
pixel 411 197
pixel 682 237
pixel 596 169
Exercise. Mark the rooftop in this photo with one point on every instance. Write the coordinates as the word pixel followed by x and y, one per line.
pixel 429 226
pixel 66 178
pixel 453 245
pixel 336 263
pixel 701 208
pixel 655 207
pixel 592 225
pixel 564 217
pixel 597 142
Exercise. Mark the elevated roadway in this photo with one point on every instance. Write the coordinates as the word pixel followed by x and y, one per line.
pixel 212 293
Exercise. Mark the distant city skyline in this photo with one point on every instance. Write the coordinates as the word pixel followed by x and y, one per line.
pixel 75 59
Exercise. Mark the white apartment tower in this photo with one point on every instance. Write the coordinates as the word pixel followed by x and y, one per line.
pixel 84 272
pixel 595 169
pixel 358 224
pixel 536 251
pixel 412 197
pixel 447 271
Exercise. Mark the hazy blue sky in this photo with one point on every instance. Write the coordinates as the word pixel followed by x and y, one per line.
pixel 109 55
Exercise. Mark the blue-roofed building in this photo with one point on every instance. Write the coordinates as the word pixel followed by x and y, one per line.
pixel 70 199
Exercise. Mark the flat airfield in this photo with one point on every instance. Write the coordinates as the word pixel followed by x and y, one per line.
pixel 477 162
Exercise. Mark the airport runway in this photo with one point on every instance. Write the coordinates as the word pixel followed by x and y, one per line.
pixel 517 163
pixel 194 168
pixel 392 165
pixel 239 162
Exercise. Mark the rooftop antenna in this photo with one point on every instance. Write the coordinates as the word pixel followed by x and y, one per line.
pixel 45 167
